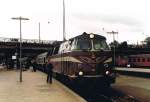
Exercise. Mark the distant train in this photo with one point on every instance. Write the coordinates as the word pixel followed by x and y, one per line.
pixel 84 58
pixel 41 61
pixel 134 60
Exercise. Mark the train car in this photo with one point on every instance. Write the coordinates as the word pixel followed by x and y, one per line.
pixel 134 60
pixel 41 60
pixel 84 58
pixel 139 60
pixel 121 61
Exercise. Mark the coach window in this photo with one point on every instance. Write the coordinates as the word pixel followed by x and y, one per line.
pixel 67 46
pixel 61 49
pixel 130 60
pixel 56 50
pixel 134 60
pixel 73 45
pixel 148 59
pixel 138 59
pixel 143 59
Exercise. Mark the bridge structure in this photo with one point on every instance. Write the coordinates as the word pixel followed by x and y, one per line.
pixel 10 47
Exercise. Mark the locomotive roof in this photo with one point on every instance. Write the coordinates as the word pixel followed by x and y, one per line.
pixel 86 35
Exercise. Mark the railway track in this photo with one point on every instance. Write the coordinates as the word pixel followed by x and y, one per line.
pixel 105 98
pixel 111 95
pixel 107 95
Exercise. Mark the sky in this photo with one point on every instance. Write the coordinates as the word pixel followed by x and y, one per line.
pixel 130 18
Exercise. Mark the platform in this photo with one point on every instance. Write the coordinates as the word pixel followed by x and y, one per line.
pixel 140 72
pixel 143 70
pixel 33 88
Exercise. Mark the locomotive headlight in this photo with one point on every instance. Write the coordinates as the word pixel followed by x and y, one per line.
pixel 91 36
pixel 80 73
pixel 107 72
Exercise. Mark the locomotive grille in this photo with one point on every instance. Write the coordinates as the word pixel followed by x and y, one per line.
pixel 99 68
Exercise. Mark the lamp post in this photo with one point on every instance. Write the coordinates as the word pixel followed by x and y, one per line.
pixel 39 32
pixel 20 19
pixel 39 25
pixel 64 32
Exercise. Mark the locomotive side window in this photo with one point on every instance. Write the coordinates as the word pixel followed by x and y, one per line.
pixel 56 50
pixel 65 47
pixel 130 59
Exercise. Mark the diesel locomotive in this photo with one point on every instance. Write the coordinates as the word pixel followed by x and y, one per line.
pixel 84 58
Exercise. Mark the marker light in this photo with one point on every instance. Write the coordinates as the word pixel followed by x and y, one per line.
pixel 80 73
pixel 91 35
pixel 107 72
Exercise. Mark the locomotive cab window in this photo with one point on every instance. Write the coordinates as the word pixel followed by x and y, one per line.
pixel 81 44
pixel 100 44
pixel 84 44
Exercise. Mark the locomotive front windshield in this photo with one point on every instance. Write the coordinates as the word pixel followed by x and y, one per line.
pixel 90 44
pixel 100 44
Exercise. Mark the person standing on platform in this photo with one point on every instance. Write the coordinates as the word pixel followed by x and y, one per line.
pixel 34 65
pixel 49 68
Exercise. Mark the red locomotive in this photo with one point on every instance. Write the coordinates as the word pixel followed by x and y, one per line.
pixel 85 58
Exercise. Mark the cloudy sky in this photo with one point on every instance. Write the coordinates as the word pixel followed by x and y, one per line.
pixel 131 18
